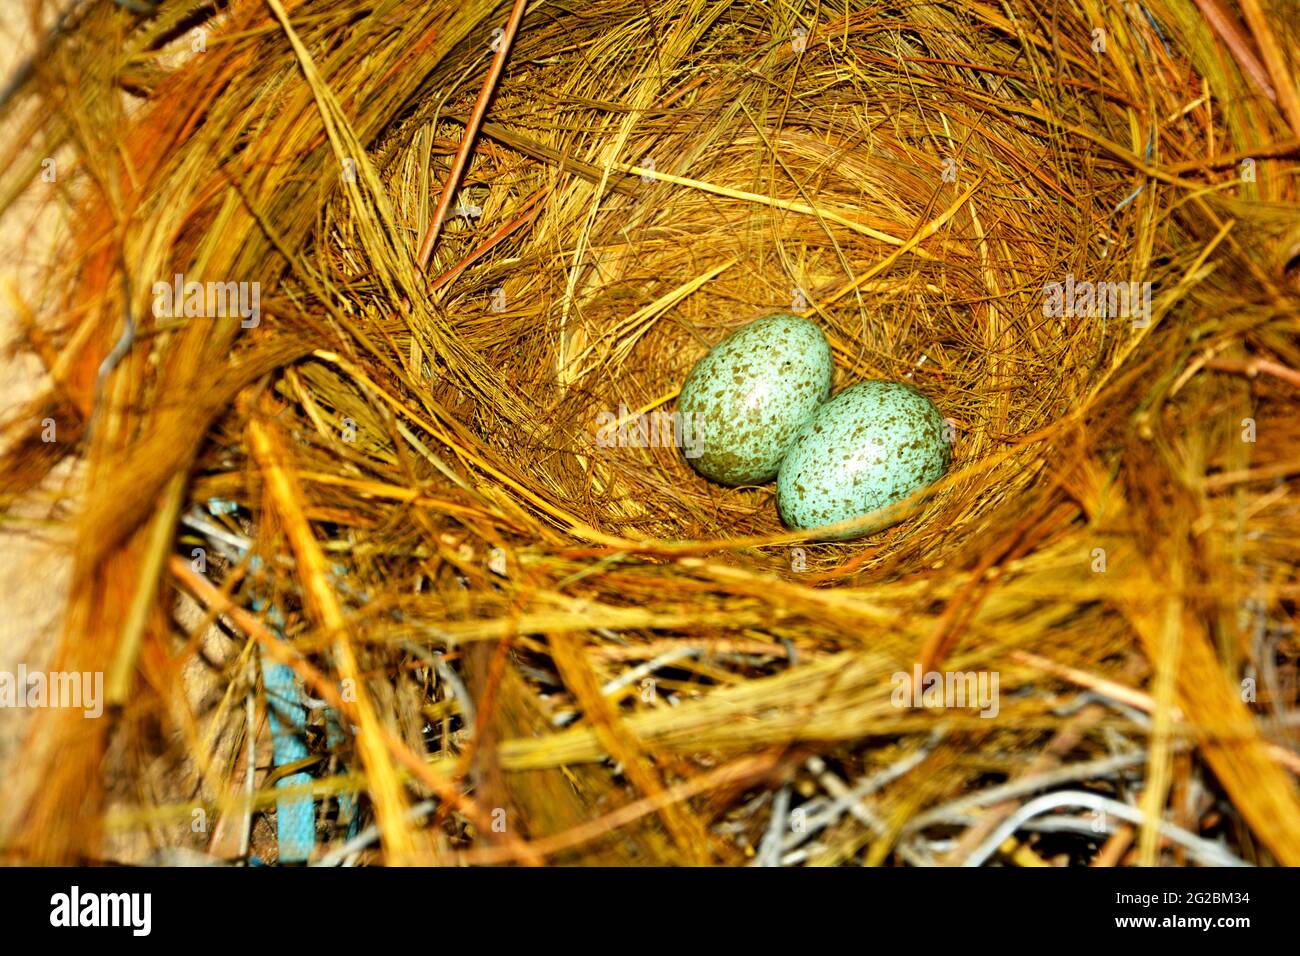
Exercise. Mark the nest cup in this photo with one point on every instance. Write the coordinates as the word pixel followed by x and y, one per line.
pixel 1043 223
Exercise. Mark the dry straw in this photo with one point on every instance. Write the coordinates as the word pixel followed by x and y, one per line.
pixel 472 579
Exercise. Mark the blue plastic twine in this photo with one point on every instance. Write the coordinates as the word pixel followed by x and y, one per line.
pixel 287 711
pixel 295 815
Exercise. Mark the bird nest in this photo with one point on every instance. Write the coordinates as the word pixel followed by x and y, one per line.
pixel 453 239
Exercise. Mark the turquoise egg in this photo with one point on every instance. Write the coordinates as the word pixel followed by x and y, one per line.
pixel 870 446
pixel 745 400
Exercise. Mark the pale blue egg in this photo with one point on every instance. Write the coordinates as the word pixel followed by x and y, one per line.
pixel 870 446
pixel 744 401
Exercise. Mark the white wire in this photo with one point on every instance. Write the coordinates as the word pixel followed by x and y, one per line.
pixel 370 834
pixel 954 810
pixel 1210 854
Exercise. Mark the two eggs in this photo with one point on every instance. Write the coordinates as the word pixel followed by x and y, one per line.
pixel 759 401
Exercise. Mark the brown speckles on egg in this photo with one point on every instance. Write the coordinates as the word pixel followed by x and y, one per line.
pixel 752 393
pixel 869 447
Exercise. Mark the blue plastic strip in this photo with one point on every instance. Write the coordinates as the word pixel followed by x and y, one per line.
pixel 295 816
pixel 287 714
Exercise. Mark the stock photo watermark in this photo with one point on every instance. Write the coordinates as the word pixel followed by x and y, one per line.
pixel 1084 299
pixel 130 910
pixel 950 689
pixel 212 300
pixel 627 429
pixel 64 689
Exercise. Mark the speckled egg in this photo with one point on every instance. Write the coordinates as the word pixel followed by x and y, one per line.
pixel 870 446
pixel 747 397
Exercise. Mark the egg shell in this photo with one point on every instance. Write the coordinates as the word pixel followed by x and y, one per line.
pixel 870 446
pixel 751 393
